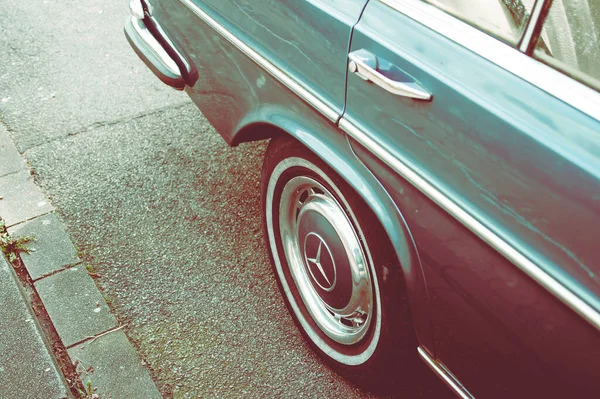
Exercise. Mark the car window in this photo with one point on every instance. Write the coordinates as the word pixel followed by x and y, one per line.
pixel 504 19
pixel 570 39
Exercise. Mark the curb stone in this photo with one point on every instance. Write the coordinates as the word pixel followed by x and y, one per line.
pixel 72 300
pixel 22 199
pixel 11 159
pixel 27 367
pixel 52 248
pixel 110 356
pixel 75 306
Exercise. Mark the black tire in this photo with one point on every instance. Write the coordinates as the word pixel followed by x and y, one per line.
pixel 381 333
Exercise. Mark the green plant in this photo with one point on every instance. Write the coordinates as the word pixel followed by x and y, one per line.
pixel 13 246
pixel 92 271
pixel 89 393
pixel 107 300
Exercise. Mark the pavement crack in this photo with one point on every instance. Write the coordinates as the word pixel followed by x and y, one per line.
pixel 62 269
pixel 10 173
pixel 90 339
pixel 100 124
pixel 6 125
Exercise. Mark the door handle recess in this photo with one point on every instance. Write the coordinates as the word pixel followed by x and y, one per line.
pixel 370 68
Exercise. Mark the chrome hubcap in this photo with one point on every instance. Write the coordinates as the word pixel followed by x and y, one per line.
pixel 326 260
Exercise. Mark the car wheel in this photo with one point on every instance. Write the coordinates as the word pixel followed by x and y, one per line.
pixel 333 262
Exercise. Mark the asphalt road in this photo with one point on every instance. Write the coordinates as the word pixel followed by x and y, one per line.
pixel 157 203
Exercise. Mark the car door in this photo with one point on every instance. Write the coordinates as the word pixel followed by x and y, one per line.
pixel 493 158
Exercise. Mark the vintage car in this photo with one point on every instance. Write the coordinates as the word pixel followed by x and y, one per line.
pixel 433 172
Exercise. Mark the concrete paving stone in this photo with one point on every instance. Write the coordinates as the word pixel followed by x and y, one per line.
pixel 75 305
pixel 116 371
pixel 52 246
pixel 22 199
pixel 10 159
pixel 27 369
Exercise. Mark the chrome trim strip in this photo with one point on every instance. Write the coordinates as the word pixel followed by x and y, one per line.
pixel 518 259
pixel 546 78
pixel 265 64
pixel 531 24
pixel 445 375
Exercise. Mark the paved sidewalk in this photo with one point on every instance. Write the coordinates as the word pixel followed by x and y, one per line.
pixel 27 368
pixel 98 348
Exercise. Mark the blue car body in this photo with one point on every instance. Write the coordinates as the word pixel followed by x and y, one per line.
pixel 489 189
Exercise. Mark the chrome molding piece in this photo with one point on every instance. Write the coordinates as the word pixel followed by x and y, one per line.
pixel 546 78
pixel 509 252
pixel 445 375
pixel 265 64
pixel 531 24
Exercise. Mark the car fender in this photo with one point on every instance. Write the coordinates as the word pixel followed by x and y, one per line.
pixel 331 145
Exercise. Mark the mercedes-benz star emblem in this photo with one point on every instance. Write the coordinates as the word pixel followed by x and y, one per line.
pixel 323 260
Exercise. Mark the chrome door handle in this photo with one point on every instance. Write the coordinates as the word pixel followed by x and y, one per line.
pixel 370 68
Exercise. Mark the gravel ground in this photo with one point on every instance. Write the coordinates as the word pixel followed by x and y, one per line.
pixel 157 203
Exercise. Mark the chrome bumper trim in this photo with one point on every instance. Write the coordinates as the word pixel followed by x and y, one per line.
pixel 136 9
pixel 154 46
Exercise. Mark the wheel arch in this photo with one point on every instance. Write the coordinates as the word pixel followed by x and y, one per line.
pixel 331 145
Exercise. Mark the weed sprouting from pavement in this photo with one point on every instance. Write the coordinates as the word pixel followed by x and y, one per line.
pixel 12 246
pixel 90 391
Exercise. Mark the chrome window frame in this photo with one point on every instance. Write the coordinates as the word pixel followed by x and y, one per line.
pixel 513 60
pixel 532 24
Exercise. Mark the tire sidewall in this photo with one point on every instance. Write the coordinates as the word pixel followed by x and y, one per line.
pixel 286 159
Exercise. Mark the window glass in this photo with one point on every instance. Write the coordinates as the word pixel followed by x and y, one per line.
pixel 570 39
pixel 504 19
